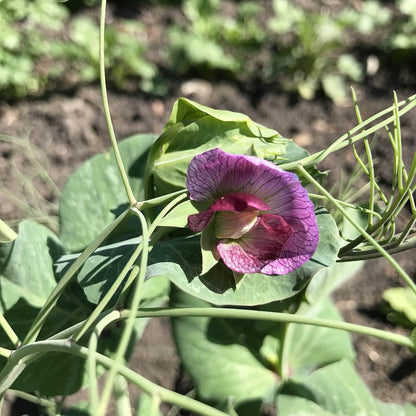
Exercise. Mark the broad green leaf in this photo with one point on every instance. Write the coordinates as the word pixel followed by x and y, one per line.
pixel 26 266
pixel 389 409
pixel 194 128
pixel 222 356
pixel 61 374
pixel 102 268
pixel 328 279
pixel 308 347
pixel 94 195
pixel 178 217
pixel 402 300
pixel 336 388
pixel 218 286
pixel 299 406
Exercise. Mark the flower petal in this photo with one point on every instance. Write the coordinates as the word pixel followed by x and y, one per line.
pixel 215 173
pixel 230 224
pixel 200 221
pixel 239 202
pixel 299 249
pixel 234 202
pixel 257 248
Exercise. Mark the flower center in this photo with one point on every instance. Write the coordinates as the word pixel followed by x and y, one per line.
pixel 229 224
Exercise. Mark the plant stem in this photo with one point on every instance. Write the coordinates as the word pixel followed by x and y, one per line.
pixel 65 346
pixel 274 317
pixel 128 330
pixel 150 203
pixel 110 293
pixel 56 293
pixel 121 394
pixel 91 360
pixel 364 233
pixel 9 331
pixel 106 109
pixel 7 232
pixel 351 136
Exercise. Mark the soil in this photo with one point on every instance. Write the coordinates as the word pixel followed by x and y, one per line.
pixel 69 127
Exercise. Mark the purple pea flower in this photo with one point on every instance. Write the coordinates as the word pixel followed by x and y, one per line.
pixel 259 218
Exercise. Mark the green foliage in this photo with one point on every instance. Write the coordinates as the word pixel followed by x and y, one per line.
pixel 94 195
pixel 193 128
pixel 24 46
pixel 281 44
pixel 402 306
pixel 41 44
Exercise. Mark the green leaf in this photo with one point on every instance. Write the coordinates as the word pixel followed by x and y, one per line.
pixel 178 217
pixel 194 128
pixel 218 286
pixel 299 406
pixel 388 409
pixel 102 268
pixel 94 195
pixel 337 389
pixel 328 279
pixel 403 301
pixel 231 364
pixel 26 266
pixel 334 87
pixel 308 347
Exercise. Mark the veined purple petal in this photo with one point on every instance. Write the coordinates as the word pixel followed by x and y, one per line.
pixel 239 202
pixel 299 248
pixel 257 248
pixel 200 221
pixel 237 185
pixel 215 174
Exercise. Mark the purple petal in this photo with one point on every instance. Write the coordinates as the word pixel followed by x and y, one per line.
pixel 200 221
pixel 214 174
pixel 239 202
pixel 257 248
pixel 298 249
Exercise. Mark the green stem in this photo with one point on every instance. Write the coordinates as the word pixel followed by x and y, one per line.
pixel 128 330
pixel 4 352
pixel 106 108
pixel 274 317
pixel 121 396
pixel 91 360
pixel 7 232
pixel 110 293
pixel 9 331
pixel 351 136
pixel 66 346
pixel 66 279
pixel 50 404
pixel 347 204
pixel 391 211
pixel 361 230
pixel 150 203
pixel 370 170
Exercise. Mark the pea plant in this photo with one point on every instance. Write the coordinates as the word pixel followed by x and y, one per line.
pixel 224 226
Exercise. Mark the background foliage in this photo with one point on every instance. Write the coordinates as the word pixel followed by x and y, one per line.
pixel 46 43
